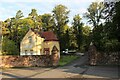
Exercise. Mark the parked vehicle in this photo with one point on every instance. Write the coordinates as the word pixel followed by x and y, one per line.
pixel 66 51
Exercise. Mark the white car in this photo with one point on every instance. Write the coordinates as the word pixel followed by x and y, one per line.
pixel 65 52
pixel 69 51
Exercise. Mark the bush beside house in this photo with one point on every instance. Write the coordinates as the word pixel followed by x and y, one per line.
pixel 9 47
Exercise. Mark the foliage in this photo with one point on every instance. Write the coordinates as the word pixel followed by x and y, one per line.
pixel 77 30
pixel 73 41
pixel 19 14
pixel 112 27
pixel 9 47
pixel 60 14
pixel 65 40
pixel 94 13
pixel 115 28
pixel 86 37
pixel 47 22
pixel 116 21
pixel 5 30
pixel 86 30
pixel 105 35
pixel 36 19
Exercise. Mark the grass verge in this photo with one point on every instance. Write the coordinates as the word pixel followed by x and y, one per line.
pixel 65 59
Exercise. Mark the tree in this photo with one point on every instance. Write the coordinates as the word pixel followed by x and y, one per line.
pixel 24 25
pixel 16 27
pixel 47 22
pixel 109 11
pixel 36 19
pixel 19 14
pixel 95 16
pixel 4 29
pixel 33 14
pixel 77 26
pixel 66 40
pixel 86 30
pixel 86 37
pixel 112 26
pixel 105 36
pixel 116 21
pixel 94 13
pixel 73 41
pixel 13 26
pixel 7 27
pixel 60 14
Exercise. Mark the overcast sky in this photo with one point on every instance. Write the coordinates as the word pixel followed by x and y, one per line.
pixel 8 8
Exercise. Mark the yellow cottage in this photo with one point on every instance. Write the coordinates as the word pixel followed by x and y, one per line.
pixel 39 43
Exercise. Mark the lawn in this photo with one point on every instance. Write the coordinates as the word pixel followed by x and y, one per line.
pixel 65 59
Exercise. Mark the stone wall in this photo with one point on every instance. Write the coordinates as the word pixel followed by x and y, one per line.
pixel 94 55
pixel 102 58
pixel 110 58
pixel 26 61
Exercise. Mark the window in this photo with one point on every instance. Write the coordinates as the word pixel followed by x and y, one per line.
pixel 30 39
pixel 46 51
pixel 25 52
pixel 31 52
pixel 40 50
pixel 35 39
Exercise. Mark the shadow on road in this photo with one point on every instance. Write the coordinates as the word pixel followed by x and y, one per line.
pixel 10 75
pixel 81 67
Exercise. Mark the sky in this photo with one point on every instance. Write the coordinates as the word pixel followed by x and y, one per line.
pixel 8 8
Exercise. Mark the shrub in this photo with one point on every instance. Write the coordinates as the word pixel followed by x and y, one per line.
pixel 9 47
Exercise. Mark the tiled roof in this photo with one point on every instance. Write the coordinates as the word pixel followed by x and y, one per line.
pixel 47 35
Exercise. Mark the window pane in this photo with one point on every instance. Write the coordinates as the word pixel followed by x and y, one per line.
pixel 25 51
pixel 30 39
pixel 31 52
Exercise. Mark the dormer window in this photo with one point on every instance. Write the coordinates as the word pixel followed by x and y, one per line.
pixel 30 39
